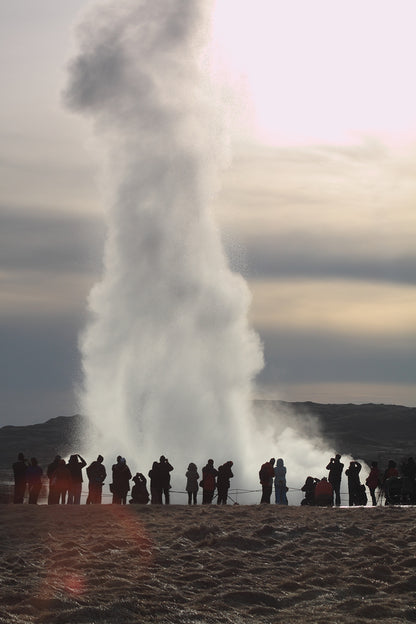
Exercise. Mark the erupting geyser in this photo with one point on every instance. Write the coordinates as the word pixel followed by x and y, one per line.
pixel 168 355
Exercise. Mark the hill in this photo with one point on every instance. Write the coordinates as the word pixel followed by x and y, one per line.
pixel 370 431
pixel 56 436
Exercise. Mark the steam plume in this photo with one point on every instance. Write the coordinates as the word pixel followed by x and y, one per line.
pixel 168 355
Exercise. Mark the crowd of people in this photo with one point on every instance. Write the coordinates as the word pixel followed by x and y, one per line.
pixel 65 481
pixel 396 487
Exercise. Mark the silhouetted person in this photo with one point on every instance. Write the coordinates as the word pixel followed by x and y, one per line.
pixel 19 473
pixel 155 484
pixel 34 480
pixel 209 482
pixel 96 474
pixel 309 489
pixel 390 483
pixel 223 482
pixel 53 497
pixel 165 469
pixel 75 465
pixel 266 476
pixel 139 493
pixel 373 481
pixel 391 470
pixel 192 478
pixel 408 470
pixel 62 481
pixel 354 485
pixel 335 468
pixel 324 493
pixel 362 496
pixel 280 488
pixel 121 481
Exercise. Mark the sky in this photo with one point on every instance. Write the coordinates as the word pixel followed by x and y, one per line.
pixel 316 207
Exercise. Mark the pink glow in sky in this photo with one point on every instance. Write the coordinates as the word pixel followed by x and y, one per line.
pixel 322 71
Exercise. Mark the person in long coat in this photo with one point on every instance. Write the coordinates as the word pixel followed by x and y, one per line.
pixel 223 482
pixel 335 468
pixel 155 484
pixel 121 481
pixel 61 479
pixel 165 469
pixel 209 482
pixel 280 488
pixel 192 478
pixel 75 465
pixel 96 474
pixel 353 474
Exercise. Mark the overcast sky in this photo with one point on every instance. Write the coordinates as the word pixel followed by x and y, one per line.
pixel 317 207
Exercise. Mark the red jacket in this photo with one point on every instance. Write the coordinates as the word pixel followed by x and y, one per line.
pixel 373 479
pixel 323 487
pixel 267 470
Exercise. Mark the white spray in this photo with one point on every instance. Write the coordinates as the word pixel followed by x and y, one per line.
pixel 168 355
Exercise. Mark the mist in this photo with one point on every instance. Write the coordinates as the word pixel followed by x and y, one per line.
pixel 168 356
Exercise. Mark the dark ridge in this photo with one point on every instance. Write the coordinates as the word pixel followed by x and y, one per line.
pixel 370 431
pixel 57 436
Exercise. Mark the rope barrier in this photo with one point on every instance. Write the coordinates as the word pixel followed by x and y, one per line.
pixel 233 494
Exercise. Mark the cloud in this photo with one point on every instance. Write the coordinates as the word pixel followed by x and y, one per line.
pixel 323 212
pixel 44 168
pixel 32 239
pixel 342 193
pixel 337 339
pixel 326 367
pixel 299 255
pixel 348 308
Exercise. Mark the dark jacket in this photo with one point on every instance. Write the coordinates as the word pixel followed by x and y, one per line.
pixel 19 471
pixel 335 468
pixel 209 476
pixel 164 473
pixel 75 467
pixel 121 478
pixel 266 474
pixel 224 475
pixel 353 473
pixel 96 472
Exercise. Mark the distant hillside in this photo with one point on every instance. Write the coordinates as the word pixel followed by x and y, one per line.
pixel 43 441
pixel 368 432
